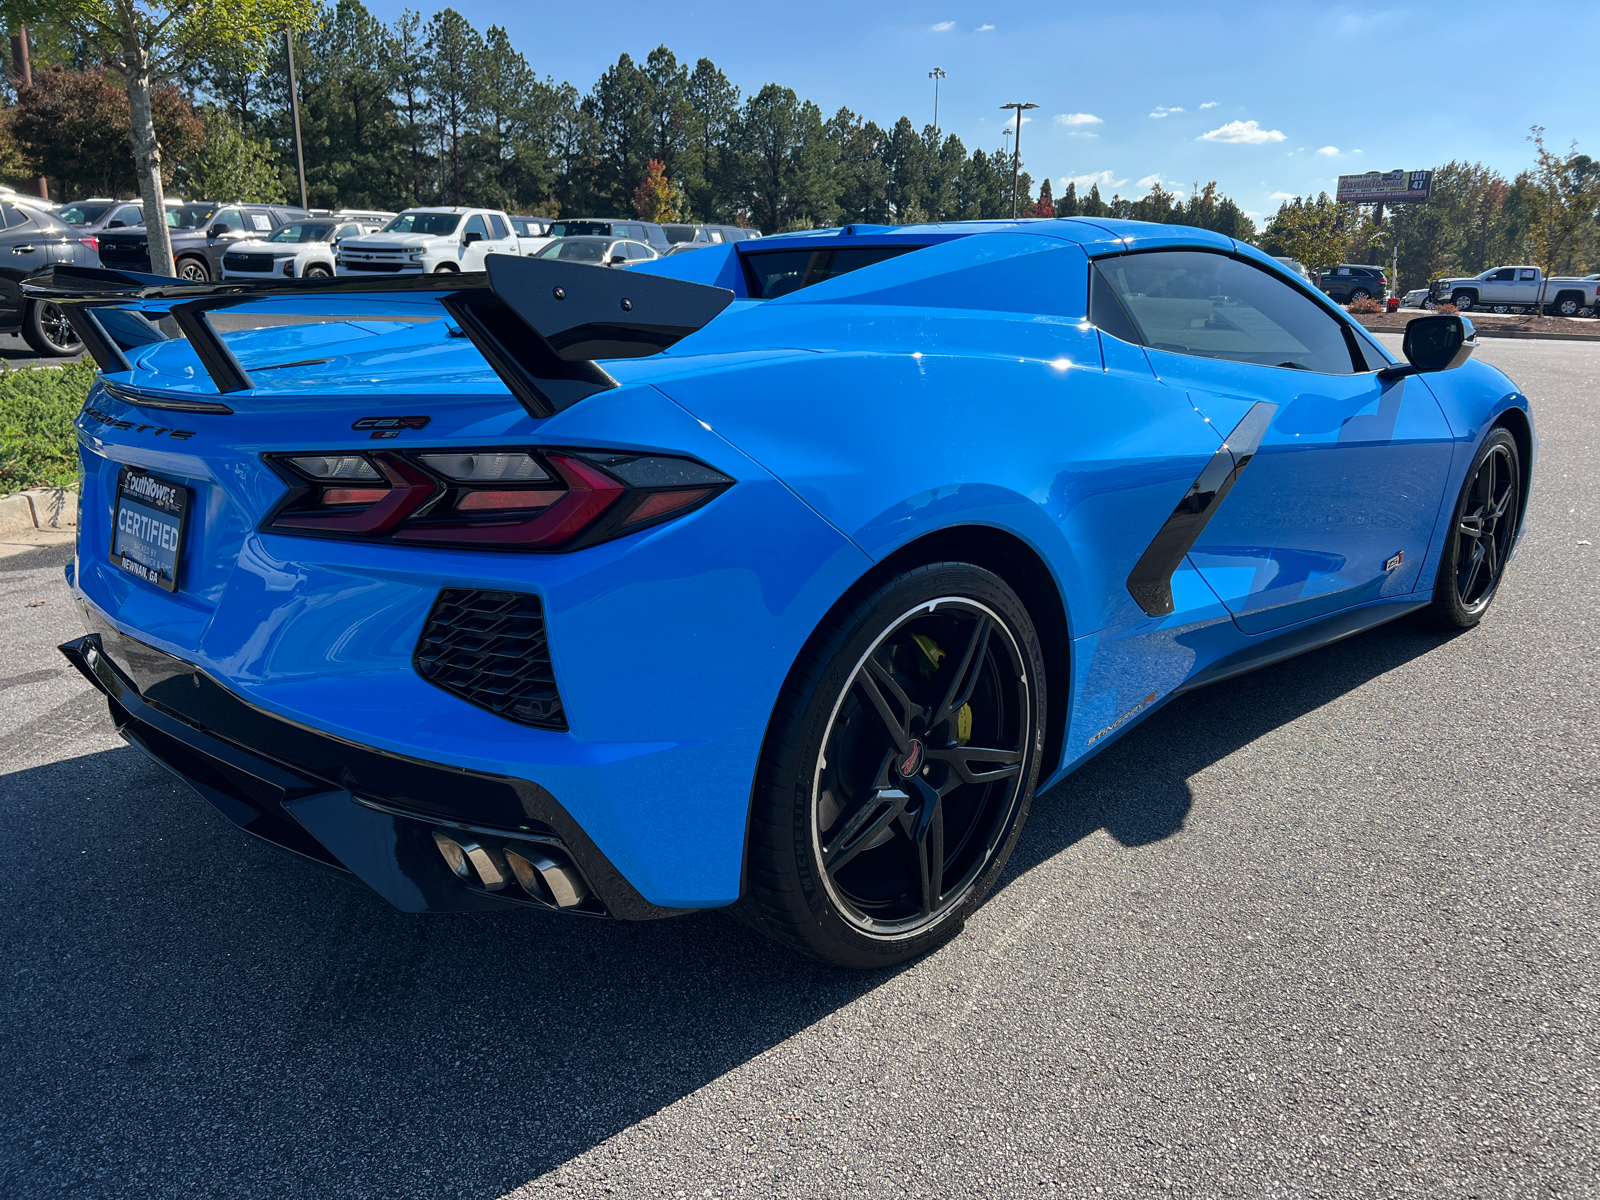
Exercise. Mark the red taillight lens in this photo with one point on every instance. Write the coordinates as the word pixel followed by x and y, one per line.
pixel 92 242
pixel 491 499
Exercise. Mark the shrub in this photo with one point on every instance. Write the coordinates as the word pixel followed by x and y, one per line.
pixel 1366 305
pixel 1447 309
pixel 38 445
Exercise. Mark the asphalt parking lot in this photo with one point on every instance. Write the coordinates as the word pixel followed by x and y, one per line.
pixel 1326 930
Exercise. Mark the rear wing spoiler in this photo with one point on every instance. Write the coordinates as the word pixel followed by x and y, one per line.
pixel 539 323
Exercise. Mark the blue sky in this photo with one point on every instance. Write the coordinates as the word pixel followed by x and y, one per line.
pixel 1268 99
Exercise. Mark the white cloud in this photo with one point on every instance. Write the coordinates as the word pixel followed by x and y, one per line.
pixel 1248 133
pixel 1078 119
pixel 1211 103
pixel 944 27
pixel 1358 152
pixel 1162 111
pixel 1282 196
pixel 1329 152
pixel 1254 216
pixel 1150 181
pixel 1104 179
pixel 984 29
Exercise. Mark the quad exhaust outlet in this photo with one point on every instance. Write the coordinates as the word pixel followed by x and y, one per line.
pixel 494 863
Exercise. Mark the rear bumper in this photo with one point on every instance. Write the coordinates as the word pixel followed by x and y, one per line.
pixel 350 807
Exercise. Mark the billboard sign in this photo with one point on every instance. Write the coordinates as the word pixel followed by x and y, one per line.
pixel 1385 187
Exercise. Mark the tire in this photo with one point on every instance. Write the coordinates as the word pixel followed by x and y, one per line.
pixel 1463 300
pixel 196 270
pixel 45 329
pixel 1483 528
pixel 867 777
pixel 318 271
pixel 1360 294
pixel 1586 311
pixel 447 269
pixel 1568 306
pixel 1500 308
pixel 1429 304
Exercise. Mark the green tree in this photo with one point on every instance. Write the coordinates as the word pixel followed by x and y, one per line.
pixel 148 42
pixel 1563 194
pixel 1310 231
pixel 711 182
pixel 407 64
pixel 1067 206
pixel 455 52
pixel 789 161
pixel 622 106
pixel 233 164
pixel 861 172
pixel 1045 206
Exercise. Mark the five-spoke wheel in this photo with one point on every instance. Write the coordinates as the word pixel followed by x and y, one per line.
pixel 898 769
pixel 1483 531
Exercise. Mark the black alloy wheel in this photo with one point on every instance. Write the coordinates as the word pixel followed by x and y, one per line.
pixel 898 769
pixel 194 270
pixel 45 329
pixel 1483 532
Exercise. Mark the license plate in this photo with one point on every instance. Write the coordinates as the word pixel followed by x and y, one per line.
pixel 147 533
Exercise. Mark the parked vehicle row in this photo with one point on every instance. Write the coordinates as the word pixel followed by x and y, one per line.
pixel 33 239
pixel 301 250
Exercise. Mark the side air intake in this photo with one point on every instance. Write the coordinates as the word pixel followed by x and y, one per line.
pixel 490 649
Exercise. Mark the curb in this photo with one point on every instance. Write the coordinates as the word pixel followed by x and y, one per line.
pixel 51 509
pixel 1500 331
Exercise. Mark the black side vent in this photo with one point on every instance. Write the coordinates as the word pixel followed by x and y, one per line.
pixel 489 648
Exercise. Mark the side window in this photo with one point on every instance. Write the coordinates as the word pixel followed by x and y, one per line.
pixel 475 225
pixel 716 235
pixel 231 217
pixel 1214 306
pixel 258 221
pixel 128 214
pixel 498 226
pixel 1505 276
pixel 16 216
pixel 347 231
pixel 1527 275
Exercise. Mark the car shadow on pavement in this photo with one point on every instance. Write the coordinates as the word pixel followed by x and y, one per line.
pixel 1137 789
pixel 191 1012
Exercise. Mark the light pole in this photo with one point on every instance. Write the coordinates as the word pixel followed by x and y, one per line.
pixel 936 74
pixel 1016 153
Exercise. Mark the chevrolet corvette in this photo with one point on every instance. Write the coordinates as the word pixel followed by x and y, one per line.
pixel 776 577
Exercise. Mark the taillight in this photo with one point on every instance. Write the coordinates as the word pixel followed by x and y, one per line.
pixel 92 242
pixel 517 499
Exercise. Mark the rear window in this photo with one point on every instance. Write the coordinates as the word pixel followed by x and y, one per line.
pixel 590 252
pixel 82 214
pixel 581 229
pixel 774 273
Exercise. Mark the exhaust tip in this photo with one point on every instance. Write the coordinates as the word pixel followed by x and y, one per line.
pixel 473 860
pixel 545 877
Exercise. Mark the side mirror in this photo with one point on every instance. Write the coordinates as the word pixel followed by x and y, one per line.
pixel 1439 343
pixel 470 237
pixel 117 225
pixel 217 230
pixel 618 258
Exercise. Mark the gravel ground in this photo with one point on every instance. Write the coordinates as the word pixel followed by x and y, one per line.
pixel 1326 930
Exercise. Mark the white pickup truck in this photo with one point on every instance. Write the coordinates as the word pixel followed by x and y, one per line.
pixel 1511 289
pixel 429 240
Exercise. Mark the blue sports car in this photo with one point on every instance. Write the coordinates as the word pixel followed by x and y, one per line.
pixel 776 576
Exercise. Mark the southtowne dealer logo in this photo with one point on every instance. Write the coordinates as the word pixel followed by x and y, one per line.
pixel 154 493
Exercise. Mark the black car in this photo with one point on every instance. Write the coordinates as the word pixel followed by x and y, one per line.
pixel 201 233
pixel 1349 282
pixel 32 241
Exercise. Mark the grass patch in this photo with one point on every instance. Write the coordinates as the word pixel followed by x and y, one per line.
pixel 38 445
